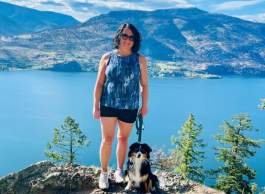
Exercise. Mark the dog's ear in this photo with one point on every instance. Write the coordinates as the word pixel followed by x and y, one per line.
pixel 146 147
pixel 134 145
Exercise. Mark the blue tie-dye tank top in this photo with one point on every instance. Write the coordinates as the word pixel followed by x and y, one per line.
pixel 121 86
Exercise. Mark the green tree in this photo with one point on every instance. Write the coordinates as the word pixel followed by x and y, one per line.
pixel 262 190
pixel 262 104
pixel 235 175
pixel 188 151
pixel 66 141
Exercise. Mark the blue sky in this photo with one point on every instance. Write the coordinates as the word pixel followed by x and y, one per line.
pixel 82 10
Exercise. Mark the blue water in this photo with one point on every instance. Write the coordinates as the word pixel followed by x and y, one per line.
pixel 32 103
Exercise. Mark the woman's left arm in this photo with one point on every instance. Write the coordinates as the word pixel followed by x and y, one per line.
pixel 144 84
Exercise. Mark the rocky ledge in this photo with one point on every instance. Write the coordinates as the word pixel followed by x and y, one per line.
pixel 47 178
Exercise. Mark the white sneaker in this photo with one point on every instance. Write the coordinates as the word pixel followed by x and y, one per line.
pixel 118 175
pixel 103 182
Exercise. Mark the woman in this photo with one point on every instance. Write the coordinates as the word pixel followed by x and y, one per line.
pixel 116 97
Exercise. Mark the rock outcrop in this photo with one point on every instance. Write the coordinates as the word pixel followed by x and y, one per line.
pixel 46 178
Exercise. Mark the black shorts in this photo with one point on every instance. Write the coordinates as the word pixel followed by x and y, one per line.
pixel 125 115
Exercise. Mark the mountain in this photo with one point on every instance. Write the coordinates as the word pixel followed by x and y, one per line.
pixel 16 20
pixel 176 41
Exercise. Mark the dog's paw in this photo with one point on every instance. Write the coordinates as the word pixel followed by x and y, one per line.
pixel 127 188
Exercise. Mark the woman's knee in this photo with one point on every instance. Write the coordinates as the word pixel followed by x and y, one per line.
pixel 122 139
pixel 107 139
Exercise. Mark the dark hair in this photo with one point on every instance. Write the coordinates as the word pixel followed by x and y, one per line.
pixel 136 34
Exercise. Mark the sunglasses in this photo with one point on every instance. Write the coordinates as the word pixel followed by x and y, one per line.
pixel 126 37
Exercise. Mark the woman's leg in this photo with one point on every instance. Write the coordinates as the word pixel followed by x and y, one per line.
pixel 123 135
pixel 108 125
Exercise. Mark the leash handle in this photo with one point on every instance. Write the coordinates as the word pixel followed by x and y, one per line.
pixel 139 126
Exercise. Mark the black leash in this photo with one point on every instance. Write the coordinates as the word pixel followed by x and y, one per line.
pixel 139 126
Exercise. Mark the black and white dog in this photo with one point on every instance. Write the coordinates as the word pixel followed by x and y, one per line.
pixel 138 173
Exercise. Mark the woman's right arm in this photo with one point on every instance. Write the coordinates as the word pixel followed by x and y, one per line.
pixel 99 84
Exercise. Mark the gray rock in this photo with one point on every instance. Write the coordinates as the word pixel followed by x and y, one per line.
pixel 46 178
pixel 21 181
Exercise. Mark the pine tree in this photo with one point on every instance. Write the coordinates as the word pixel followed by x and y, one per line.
pixel 188 151
pixel 262 190
pixel 66 142
pixel 262 104
pixel 235 175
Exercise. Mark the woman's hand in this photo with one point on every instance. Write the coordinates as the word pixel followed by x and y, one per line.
pixel 96 112
pixel 144 110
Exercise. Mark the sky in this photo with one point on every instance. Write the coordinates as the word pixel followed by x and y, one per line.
pixel 82 10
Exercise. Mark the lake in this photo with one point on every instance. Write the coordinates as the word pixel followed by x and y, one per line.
pixel 32 103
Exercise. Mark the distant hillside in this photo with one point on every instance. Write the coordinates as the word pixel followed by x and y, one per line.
pixel 16 20
pixel 177 42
